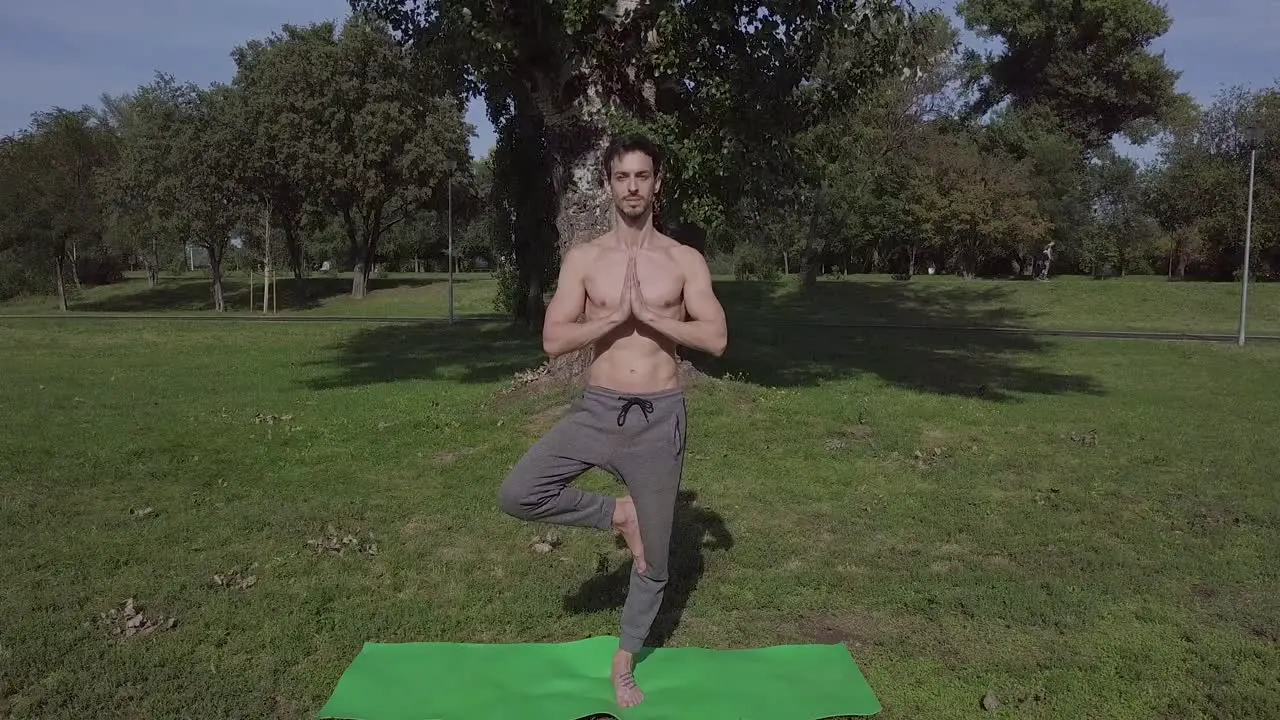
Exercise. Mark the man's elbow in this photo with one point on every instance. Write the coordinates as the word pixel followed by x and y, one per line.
pixel 551 345
pixel 719 343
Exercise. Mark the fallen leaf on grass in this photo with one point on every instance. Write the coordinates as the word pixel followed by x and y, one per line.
pixel 235 579
pixel 925 460
pixel 128 621
pixel 341 542
pixel 1088 439
pixel 543 544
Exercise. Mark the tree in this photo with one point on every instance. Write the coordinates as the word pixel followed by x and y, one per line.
pixel 1126 234
pixel 971 205
pixel 137 224
pixel 373 133
pixel 50 201
pixel 851 164
pixel 277 77
pixel 1199 188
pixel 182 169
pixel 1087 62
pixel 716 82
pixel 1060 179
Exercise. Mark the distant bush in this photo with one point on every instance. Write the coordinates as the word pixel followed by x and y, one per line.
pixel 100 268
pixel 22 278
pixel 752 262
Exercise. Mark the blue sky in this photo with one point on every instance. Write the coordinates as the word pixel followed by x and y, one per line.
pixel 67 52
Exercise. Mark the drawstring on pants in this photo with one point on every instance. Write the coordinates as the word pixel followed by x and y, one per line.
pixel 645 406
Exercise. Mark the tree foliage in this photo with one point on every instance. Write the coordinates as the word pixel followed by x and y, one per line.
pixel 1086 62
pixel 352 123
pixel 802 136
pixel 49 205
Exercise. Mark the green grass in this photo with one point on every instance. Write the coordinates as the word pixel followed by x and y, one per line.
pixel 1084 528
pixel 1065 303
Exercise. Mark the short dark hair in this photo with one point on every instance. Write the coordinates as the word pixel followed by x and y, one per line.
pixel 632 142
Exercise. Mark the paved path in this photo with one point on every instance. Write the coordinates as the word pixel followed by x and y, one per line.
pixel 473 319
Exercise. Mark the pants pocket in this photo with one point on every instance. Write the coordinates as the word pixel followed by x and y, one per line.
pixel 678 434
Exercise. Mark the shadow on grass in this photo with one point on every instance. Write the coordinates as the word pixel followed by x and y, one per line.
pixel 788 339
pixel 695 532
pixel 777 338
pixel 197 293
pixel 468 352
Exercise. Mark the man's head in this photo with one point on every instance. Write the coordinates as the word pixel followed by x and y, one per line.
pixel 633 173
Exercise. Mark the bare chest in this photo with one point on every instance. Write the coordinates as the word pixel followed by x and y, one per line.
pixel 661 282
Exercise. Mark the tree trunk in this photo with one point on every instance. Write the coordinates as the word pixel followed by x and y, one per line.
pixel 810 255
pixel 366 249
pixel 215 274
pixel 583 212
pixel 810 268
pixel 968 264
pixel 75 268
pixel 574 206
pixel 360 281
pixel 266 269
pixel 59 267
pixel 293 243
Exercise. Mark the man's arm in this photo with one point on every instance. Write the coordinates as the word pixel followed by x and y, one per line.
pixel 561 331
pixel 706 331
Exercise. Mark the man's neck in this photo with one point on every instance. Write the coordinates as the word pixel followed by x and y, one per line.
pixel 633 235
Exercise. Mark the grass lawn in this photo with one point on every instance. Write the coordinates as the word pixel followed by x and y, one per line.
pixel 1083 528
pixel 1065 303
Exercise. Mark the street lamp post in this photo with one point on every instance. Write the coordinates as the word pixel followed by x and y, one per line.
pixel 1252 137
pixel 449 167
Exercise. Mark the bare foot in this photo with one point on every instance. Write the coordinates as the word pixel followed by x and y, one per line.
pixel 625 521
pixel 624 683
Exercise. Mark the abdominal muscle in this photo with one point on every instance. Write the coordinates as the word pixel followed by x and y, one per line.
pixel 634 358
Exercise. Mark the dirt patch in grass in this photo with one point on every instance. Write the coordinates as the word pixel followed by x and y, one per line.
pixel 854 629
pixel 1254 611
pixel 415 528
pixel 851 436
pixel 542 421
pixel 1204 521
pixel 452 456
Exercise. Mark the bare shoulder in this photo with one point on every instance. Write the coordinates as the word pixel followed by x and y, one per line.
pixel 691 262
pixel 580 257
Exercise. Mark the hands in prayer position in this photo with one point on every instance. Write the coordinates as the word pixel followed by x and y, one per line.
pixel 631 302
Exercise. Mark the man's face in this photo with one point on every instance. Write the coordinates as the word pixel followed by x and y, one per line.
pixel 633 184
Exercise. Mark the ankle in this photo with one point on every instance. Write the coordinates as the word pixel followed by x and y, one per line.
pixel 620 514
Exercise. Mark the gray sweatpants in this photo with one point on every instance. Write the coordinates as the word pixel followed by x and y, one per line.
pixel 640 439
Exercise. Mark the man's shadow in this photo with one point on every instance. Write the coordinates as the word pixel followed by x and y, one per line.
pixel 694 531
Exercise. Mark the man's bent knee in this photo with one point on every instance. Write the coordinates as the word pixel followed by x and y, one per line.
pixel 514 500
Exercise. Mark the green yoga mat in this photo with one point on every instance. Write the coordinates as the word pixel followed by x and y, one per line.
pixel 569 681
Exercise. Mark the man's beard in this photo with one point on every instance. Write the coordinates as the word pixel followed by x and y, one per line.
pixel 632 211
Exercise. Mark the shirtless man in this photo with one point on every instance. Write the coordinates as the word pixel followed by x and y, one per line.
pixel 635 287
